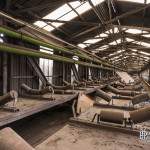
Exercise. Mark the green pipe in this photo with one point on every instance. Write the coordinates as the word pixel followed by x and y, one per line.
pixel 86 53
pixel 33 53
pixel 32 40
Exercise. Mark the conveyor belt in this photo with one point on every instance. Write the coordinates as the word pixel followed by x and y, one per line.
pixel 29 107
pixel 108 127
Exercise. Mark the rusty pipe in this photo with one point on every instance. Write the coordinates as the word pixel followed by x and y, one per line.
pixel 112 116
pixel 117 83
pixel 103 95
pixel 66 87
pixel 140 98
pixel 79 83
pixel 132 87
pixel 122 97
pixel 8 97
pixel 122 92
pixel 35 91
pixel 66 82
pixel 140 115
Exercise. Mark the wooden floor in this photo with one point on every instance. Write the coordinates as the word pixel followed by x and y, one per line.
pixel 29 107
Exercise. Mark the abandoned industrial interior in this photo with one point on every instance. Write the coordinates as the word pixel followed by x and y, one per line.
pixel 74 74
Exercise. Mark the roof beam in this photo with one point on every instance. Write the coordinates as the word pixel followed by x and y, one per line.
pixel 133 27
pixel 105 41
pixel 42 6
pixel 71 21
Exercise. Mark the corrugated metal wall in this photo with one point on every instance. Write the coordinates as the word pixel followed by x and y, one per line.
pixel 21 72
pixel 19 69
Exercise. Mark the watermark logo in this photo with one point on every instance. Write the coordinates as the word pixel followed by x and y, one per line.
pixel 144 135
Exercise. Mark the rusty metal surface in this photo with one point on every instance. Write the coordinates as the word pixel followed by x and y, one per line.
pixel 29 90
pixel 122 97
pixel 122 92
pixel 113 106
pixel 114 117
pixel 79 122
pixel 84 103
pixel 10 140
pixel 103 95
pixel 132 87
pixel 140 115
pixel 140 98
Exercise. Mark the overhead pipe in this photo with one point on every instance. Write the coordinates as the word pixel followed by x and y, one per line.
pixel 36 41
pixel 33 53
pixel 37 29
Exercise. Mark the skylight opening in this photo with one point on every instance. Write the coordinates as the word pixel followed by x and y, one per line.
pixel 145 44
pixel 48 28
pixel 145 53
pixel 102 48
pixel 40 24
pixel 92 41
pixel 69 16
pixel 133 53
pixel 135 1
pixel 103 35
pixel 58 12
pixel 135 31
pixel 133 50
pixel 82 45
pixel 65 13
pixel 96 2
pixel 146 35
pixel 83 8
pixel 115 42
pixel 129 40
pixel 118 52
pixel 115 58
pixel 75 4
pixel 114 30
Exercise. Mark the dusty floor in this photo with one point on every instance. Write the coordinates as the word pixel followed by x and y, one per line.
pixel 75 138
